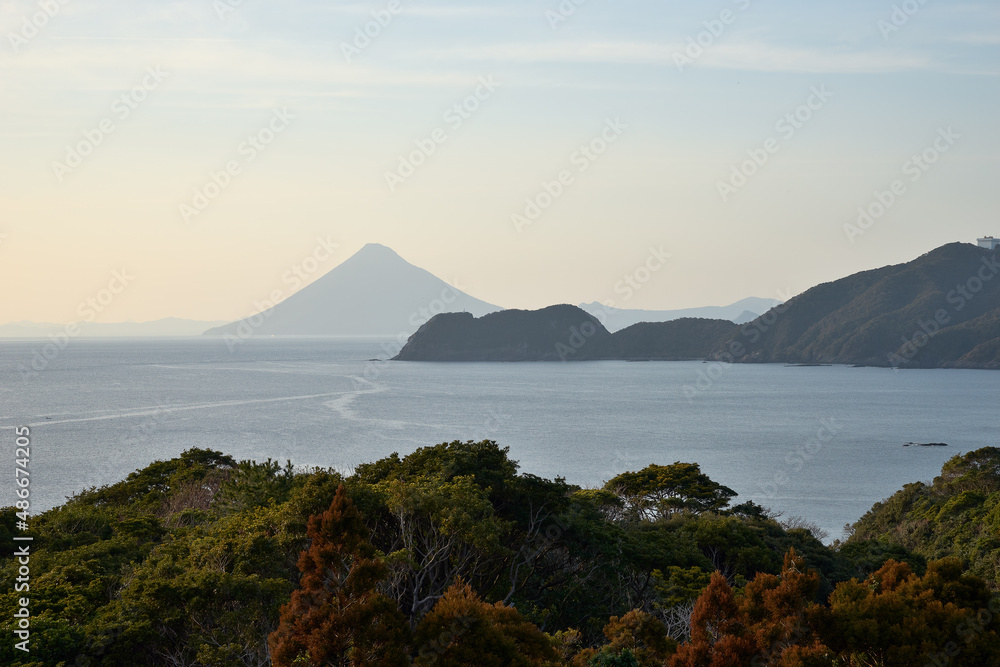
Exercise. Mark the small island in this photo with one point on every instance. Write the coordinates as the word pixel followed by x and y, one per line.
pixel 560 333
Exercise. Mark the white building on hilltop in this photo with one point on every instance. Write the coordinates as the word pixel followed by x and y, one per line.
pixel 988 242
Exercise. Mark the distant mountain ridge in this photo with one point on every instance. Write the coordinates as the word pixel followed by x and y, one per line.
pixel 374 292
pixel 741 312
pixel 939 310
pixel 558 333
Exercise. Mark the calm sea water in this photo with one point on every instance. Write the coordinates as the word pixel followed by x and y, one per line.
pixel 820 443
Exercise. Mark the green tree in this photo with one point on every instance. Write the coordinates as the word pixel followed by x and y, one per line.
pixel 657 492
pixel 641 636
pixel 443 529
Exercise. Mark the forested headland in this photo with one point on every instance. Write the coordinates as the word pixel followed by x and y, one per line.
pixel 452 556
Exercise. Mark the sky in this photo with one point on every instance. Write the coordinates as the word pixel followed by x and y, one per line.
pixel 184 155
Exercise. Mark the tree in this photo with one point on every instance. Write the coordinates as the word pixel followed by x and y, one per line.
pixel 657 492
pixel 444 529
pixel 956 516
pixel 463 630
pixel 777 611
pixel 736 547
pixel 338 616
pixel 769 624
pixel 895 618
pixel 677 591
pixel 641 636
pixel 486 462
pixel 152 485
pixel 718 637
pixel 978 470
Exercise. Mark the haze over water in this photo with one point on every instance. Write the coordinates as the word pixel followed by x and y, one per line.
pixel 821 443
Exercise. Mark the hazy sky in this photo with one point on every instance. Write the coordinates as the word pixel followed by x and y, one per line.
pixel 184 86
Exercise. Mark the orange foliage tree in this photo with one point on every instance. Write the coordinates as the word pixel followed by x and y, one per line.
pixel 337 616
pixel 719 638
pixel 461 629
pixel 896 618
pixel 770 624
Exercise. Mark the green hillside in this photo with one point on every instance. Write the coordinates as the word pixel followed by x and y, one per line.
pixel 957 515
pixel 940 310
pixel 559 333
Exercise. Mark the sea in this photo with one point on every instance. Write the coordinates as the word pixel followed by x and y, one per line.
pixel 822 444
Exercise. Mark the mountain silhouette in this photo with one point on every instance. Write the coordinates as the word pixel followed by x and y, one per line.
pixel 616 319
pixel 373 293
